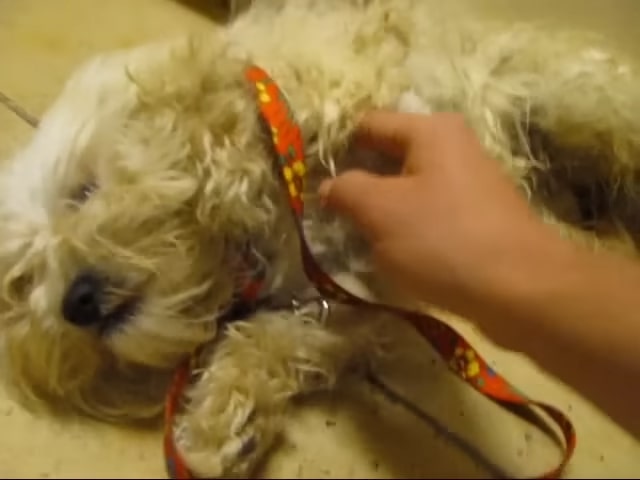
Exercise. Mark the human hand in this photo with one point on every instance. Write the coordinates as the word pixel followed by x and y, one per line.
pixel 452 229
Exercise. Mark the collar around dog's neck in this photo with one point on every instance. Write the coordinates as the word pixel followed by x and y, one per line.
pixel 251 272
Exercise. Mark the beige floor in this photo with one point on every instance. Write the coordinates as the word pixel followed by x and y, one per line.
pixel 353 433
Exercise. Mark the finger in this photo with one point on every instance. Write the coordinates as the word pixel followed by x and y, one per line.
pixel 394 133
pixel 385 130
pixel 355 195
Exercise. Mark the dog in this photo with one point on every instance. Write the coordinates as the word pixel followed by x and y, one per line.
pixel 127 218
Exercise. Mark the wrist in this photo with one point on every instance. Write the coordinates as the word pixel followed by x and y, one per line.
pixel 523 286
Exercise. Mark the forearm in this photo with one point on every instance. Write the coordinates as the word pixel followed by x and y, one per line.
pixel 576 314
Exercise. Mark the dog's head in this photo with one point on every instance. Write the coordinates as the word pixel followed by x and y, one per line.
pixel 121 224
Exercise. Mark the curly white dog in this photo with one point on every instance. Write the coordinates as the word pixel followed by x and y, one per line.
pixel 123 220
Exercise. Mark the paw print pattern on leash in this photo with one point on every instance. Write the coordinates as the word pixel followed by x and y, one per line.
pixel 285 136
pixel 465 363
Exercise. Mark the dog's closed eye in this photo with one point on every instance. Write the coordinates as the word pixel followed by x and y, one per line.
pixel 82 193
pixel 16 287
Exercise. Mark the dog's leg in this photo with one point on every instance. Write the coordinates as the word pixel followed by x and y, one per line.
pixel 236 408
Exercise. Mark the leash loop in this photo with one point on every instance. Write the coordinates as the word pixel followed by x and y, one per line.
pixel 320 304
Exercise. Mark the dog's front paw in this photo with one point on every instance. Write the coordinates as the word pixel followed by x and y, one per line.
pixel 232 447
pixel 235 409
pixel 225 434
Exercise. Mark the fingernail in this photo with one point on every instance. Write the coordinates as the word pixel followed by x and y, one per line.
pixel 323 191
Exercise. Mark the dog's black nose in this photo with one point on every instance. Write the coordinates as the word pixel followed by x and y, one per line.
pixel 81 304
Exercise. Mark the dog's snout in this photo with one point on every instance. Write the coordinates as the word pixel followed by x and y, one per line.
pixel 81 304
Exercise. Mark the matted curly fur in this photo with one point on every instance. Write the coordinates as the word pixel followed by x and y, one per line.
pixel 122 220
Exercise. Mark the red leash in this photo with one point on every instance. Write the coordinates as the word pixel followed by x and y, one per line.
pixel 461 357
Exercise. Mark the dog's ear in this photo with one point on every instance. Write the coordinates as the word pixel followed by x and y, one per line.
pixel 236 188
pixel 197 120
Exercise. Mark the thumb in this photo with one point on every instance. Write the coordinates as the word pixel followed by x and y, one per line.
pixel 353 195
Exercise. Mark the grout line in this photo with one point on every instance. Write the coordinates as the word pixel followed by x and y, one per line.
pixel 18 110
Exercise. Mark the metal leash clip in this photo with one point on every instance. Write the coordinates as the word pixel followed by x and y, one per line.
pixel 318 307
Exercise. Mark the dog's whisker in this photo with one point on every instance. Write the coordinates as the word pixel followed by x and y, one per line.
pixel 18 110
